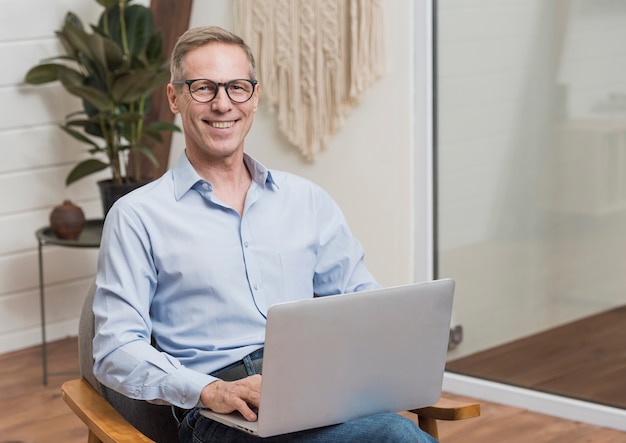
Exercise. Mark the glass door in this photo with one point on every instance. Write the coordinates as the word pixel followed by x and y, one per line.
pixel 531 174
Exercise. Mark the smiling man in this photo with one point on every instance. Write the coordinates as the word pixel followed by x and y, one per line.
pixel 190 263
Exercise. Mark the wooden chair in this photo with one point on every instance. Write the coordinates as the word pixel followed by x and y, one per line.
pixel 114 418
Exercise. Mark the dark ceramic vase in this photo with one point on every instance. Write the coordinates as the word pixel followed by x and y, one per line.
pixel 67 221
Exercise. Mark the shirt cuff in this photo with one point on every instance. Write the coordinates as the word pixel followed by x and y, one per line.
pixel 186 386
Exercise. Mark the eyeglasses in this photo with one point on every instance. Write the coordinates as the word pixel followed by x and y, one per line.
pixel 204 90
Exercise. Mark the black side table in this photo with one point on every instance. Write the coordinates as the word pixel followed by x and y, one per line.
pixel 89 238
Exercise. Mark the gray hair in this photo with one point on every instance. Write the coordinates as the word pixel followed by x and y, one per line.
pixel 200 36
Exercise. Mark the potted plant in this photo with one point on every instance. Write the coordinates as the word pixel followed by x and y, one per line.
pixel 113 68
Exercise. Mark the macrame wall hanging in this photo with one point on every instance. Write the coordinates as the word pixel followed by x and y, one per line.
pixel 314 59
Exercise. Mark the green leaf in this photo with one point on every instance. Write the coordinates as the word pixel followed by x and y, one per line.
pixel 44 73
pixel 108 3
pixel 132 86
pixel 70 78
pixel 159 79
pixel 77 134
pixel 155 54
pixel 93 96
pixel 91 126
pixel 87 93
pixel 72 19
pixel 153 130
pixel 74 114
pixel 113 55
pixel 84 169
pixel 128 117
pixel 139 28
pixel 147 152
pixel 154 136
pixel 77 39
pixel 103 55
pixel 162 126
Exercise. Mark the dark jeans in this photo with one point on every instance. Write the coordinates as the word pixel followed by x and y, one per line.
pixel 380 428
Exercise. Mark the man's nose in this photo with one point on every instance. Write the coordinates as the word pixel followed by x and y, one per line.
pixel 221 100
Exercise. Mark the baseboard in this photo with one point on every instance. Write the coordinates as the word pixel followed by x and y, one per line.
pixel 23 339
pixel 535 401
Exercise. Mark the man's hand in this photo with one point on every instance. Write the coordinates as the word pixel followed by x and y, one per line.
pixel 227 396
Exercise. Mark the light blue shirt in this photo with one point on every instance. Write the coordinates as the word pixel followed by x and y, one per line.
pixel 178 265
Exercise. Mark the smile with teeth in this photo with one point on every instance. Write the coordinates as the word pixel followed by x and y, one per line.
pixel 222 125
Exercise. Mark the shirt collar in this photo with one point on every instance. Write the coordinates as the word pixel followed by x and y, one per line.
pixel 185 176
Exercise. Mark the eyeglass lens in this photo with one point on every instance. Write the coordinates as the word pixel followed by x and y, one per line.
pixel 204 90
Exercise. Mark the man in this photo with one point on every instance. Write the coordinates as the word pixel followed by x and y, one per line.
pixel 194 259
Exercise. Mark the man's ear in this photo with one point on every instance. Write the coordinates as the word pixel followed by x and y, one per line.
pixel 172 98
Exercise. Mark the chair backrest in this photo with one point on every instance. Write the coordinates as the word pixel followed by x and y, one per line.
pixel 155 421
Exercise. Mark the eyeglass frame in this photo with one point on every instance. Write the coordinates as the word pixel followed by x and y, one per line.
pixel 217 87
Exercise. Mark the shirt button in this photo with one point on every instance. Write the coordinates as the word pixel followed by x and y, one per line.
pixel 245 244
pixel 205 186
pixel 256 286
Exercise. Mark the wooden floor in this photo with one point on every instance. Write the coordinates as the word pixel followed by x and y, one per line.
pixel 35 413
pixel 585 359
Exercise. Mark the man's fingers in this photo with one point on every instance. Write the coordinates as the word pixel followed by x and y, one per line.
pixel 241 395
pixel 249 396
pixel 246 411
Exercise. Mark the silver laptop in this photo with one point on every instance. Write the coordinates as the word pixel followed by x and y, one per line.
pixel 334 359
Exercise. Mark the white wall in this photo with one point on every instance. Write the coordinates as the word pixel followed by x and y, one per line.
pixel 368 167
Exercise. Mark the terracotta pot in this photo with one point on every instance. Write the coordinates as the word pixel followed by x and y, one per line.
pixel 67 220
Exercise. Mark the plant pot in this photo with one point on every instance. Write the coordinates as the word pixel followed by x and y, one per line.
pixel 111 192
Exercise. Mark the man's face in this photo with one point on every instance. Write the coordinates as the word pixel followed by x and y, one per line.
pixel 214 130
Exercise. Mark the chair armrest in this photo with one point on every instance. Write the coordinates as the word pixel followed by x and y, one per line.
pixel 447 409
pixel 103 421
pixel 444 409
